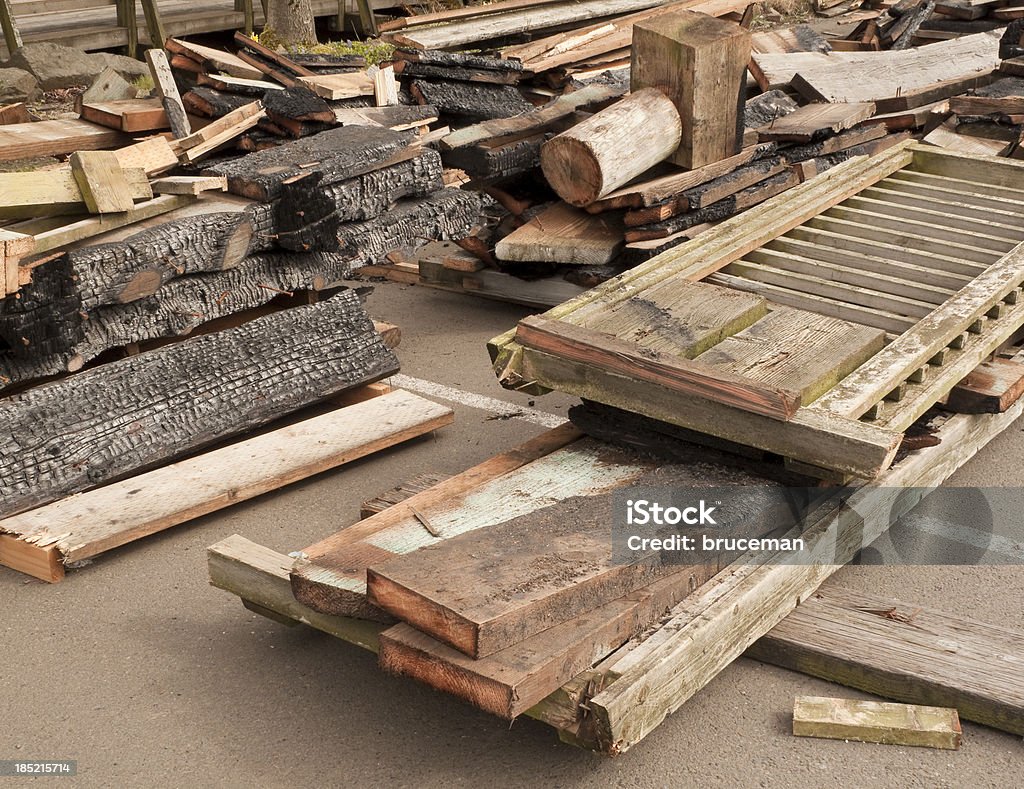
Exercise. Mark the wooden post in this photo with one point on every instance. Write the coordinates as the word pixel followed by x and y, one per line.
pixel 12 37
pixel 699 62
pixel 612 147
pixel 127 19
pixel 367 20
pixel 245 6
pixel 157 34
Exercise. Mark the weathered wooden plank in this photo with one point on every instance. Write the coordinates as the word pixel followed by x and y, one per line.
pixel 991 388
pixel 128 115
pixel 587 346
pixel 711 629
pixel 876 721
pixel 167 90
pixel 903 651
pixel 797 350
pixel 816 121
pixel 340 86
pixel 563 234
pixel 96 521
pixel 55 138
pixel 105 188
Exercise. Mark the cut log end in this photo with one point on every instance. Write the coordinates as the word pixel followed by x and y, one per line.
pixel 572 169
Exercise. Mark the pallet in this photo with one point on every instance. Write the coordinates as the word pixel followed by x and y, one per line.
pixel 918 245
pixel 42 542
pixel 624 696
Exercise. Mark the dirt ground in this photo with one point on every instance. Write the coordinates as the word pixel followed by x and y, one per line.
pixel 148 676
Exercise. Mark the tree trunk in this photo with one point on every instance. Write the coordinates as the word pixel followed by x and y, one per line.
pixel 291 21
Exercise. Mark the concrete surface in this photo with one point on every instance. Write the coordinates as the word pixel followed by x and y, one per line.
pixel 149 677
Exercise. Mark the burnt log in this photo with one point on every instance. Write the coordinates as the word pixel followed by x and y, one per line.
pixel 470 100
pixel 121 418
pixel 44 317
pixel 337 154
pixel 306 203
pixel 211 103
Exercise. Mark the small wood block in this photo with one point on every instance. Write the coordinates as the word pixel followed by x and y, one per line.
pixel 340 86
pixel 389 332
pixel 104 186
pixel 876 721
pixel 14 113
pixel 991 388
pixel 385 87
pixel 190 184
pixel 128 115
pixel 563 234
pixel 109 86
pixel 153 156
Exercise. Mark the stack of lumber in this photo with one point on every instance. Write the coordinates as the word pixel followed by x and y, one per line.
pixel 466 88
pixel 302 217
pixel 912 23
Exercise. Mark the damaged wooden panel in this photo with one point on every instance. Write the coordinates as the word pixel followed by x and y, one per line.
pixel 873 243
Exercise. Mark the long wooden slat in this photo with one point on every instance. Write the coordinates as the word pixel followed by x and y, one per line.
pixel 997 197
pixel 887 369
pixel 855 313
pixel 579 344
pixel 952 217
pixel 831 289
pixel 918 197
pixel 868 246
pixel 90 523
pixel 984 171
pixel 55 138
pixel 710 630
pixel 856 275
pixel 904 651
pixel 992 242
pixel 896 237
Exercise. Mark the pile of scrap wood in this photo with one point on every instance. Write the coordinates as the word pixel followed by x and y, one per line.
pixel 917 22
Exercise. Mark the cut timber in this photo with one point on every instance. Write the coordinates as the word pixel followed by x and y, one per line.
pixel 511 682
pixel 332 576
pixel 588 162
pixel 458 33
pixel 189 184
pixel 109 86
pixel 207 388
pixel 796 350
pixel 14 113
pixel 153 156
pixel 259 576
pixel 220 131
pixel 167 90
pixel 900 80
pixel 104 185
pixel 128 115
pixel 657 190
pixel 991 388
pixel 91 523
pixel 52 192
pixel 876 721
pixel 622 358
pixel 245 87
pixel 476 101
pixel 340 86
pixel 903 651
pixel 813 122
pixel 700 63
pixel 214 59
pixel 55 138
pixel 563 234
pixel 39 562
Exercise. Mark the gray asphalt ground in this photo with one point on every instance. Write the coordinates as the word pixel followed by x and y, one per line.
pixel 149 677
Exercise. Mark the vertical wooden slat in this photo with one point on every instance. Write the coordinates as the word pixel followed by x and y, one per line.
pixel 157 34
pixel 12 37
pixel 245 6
pixel 126 18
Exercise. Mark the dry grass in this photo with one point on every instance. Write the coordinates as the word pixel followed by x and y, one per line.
pixel 782 13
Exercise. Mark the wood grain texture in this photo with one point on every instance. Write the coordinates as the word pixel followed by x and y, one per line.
pixel 94 522
pixel 563 234
pixel 904 651
pixel 876 721
pixel 700 63
pixel 590 160
pixel 55 138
